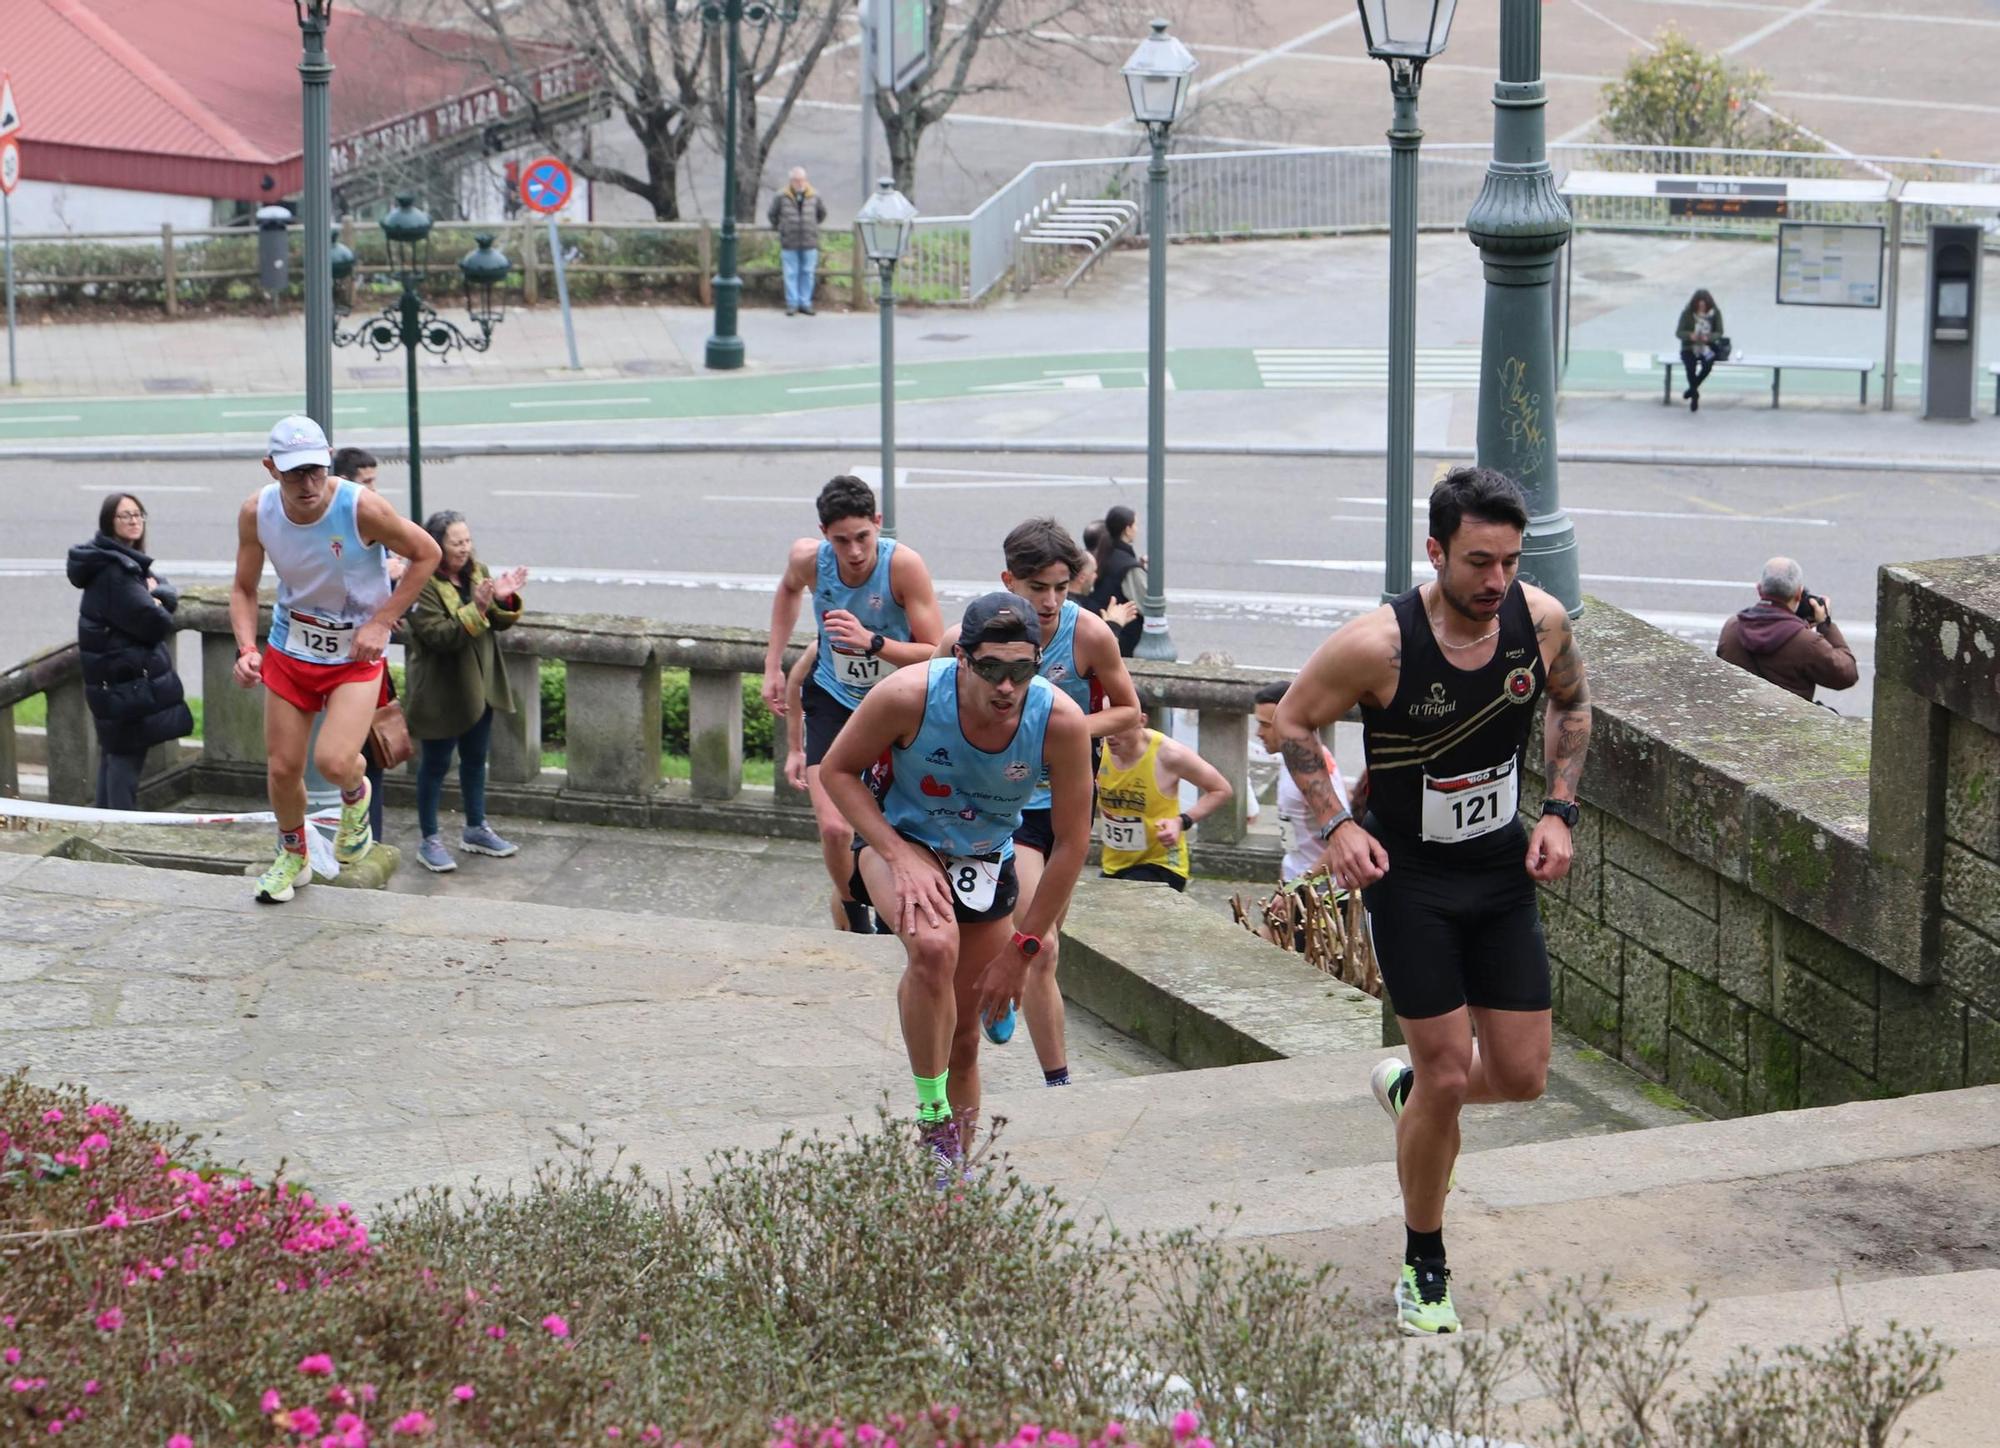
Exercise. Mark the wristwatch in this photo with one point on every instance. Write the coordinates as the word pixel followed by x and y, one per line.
pixel 1565 810
pixel 1028 945
pixel 875 642
pixel 1187 821
pixel 1326 831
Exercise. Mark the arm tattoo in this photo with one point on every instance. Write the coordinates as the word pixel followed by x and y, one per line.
pixel 1308 770
pixel 1566 725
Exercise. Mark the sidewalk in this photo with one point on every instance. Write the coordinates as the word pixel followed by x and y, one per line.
pixel 1250 366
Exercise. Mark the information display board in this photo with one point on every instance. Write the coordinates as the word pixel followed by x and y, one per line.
pixel 902 40
pixel 1821 265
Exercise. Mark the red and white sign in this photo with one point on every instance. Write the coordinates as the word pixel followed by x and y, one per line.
pixel 10 114
pixel 546 185
pixel 10 165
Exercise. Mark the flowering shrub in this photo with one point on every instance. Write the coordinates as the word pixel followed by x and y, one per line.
pixel 818 1295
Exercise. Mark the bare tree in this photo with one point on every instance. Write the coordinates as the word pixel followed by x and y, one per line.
pixel 791 47
pixel 651 61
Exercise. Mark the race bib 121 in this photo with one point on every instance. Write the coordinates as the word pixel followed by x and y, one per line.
pixel 1470 805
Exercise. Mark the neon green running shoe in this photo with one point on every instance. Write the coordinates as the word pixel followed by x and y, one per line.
pixel 354 838
pixel 275 885
pixel 1390 1081
pixel 1423 1300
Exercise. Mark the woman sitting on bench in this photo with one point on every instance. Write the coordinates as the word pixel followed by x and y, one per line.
pixel 1700 326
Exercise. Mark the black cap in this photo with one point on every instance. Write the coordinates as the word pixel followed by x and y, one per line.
pixel 999 618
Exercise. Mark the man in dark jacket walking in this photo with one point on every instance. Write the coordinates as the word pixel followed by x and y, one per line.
pixel 1787 637
pixel 796 214
pixel 124 637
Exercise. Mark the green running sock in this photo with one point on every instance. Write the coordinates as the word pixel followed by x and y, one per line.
pixel 931 1102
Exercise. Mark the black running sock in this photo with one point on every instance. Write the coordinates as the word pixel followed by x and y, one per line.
pixel 857 916
pixel 1400 1091
pixel 1058 1077
pixel 1422 1246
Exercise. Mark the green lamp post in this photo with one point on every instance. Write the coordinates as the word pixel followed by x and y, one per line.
pixel 887 224
pixel 1157 79
pixel 1405 34
pixel 410 322
pixel 315 74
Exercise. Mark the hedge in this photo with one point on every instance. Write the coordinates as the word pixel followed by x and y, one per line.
pixel 759 724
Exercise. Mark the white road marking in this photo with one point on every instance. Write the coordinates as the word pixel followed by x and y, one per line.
pixel 8 419
pixel 266 412
pixel 555 493
pixel 1420 565
pixel 1421 507
pixel 586 402
pixel 1764 32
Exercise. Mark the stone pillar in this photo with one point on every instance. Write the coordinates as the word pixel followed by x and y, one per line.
pixel 517 737
pixel 1225 743
pixel 715 733
pixel 72 740
pixel 232 719
pixel 613 713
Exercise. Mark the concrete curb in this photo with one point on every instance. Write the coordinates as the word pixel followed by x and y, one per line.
pixel 221 451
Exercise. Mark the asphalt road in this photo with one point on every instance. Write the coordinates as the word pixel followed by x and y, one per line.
pixel 1264 555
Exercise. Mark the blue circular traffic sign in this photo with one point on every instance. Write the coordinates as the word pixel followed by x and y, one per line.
pixel 546 185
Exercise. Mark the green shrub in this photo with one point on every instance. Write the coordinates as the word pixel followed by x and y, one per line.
pixel 759 724
pixel 772 1292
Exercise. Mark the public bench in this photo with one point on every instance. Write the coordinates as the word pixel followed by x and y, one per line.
pixel 1777 364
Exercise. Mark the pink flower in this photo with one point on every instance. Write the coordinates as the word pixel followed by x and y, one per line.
pixel 113 1218
pixel 51 1117
pixel 110 1320
pixel 303 1421
pixel 651 1433
pixel 180 1440
pixel 91 1388
pixel 98 1111
pixel 555 1325
pixel 464 1392
pixel 96 1141
pixel 1114 1432
pixel 1184 1425
pixel 55 1425
pixel 412 1425
pixel 12 1355
pixel 613 1432
pixel 318 1365
pixel 271 1402
pixel 367 1392
pixel 496 1332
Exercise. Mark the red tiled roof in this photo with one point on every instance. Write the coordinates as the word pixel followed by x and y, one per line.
pixel 202 97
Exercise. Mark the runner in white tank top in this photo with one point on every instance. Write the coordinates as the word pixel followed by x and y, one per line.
pixel 326 539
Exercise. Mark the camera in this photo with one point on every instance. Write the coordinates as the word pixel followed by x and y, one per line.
pixel 1807 601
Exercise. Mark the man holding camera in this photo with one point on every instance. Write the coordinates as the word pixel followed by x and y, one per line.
pixel 1787 637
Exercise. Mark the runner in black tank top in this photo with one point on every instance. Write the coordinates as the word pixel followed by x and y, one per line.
pixel 1446 678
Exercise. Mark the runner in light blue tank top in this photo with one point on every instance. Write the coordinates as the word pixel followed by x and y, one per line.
pixel 329 581
pixel 849 676
pixel 954 798
pixel 1059 668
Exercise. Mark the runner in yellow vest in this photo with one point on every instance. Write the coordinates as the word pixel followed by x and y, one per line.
pixel 1142 829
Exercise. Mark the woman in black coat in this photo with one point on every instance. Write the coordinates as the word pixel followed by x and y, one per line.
pixel 124 632
pixel 1121 574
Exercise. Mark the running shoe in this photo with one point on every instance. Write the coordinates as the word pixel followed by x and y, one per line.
pixel 1000 1029
pixel 1423 1300
pixel 433 856
pixel 277 884
pixel 355 838
pixel 1391 1080
pixel 481 839
pixel 942 1139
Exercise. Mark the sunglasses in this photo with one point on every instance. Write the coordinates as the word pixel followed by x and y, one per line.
pixel 1016 671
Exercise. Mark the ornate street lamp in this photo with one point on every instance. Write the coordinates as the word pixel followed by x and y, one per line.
pixel 725 348
pixel 1405 33
pixel 1157 79
pixel 410 323
pixel 315 71
pixel 887 223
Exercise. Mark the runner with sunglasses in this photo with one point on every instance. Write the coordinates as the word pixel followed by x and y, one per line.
pixel 967 739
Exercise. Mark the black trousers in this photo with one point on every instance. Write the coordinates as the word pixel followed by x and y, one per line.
pixel 118 779
pixel 1691 361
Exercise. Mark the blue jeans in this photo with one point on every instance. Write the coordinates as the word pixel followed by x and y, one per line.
pixel 799 269
pixel 434 763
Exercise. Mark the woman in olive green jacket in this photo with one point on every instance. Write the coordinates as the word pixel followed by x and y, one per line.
pixel 1699 327
pixel 455 681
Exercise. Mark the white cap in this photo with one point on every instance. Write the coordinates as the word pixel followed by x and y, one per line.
pixel 298 442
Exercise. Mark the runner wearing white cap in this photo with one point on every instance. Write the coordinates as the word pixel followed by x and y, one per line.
pixel 328 540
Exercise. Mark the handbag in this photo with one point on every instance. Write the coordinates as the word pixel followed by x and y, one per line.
pixel 1720 347
pixel 389 737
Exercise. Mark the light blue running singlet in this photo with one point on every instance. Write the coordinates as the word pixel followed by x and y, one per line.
pixel 847 676
pixel 954 798
pixel 1059 668
pixel 329 581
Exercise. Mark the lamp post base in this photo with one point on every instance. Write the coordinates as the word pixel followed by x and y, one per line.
pixel 723 354
pixel 1155 643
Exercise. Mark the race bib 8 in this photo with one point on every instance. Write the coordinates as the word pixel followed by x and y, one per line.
pixel 859 672
pixel 1126 836
pixel 973 881
pixel 1470 805
pixel 323 639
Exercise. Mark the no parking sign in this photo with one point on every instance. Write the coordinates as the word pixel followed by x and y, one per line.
pixel 546 185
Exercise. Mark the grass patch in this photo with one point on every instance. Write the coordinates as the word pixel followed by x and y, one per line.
pixel 676 766
pixel 33 713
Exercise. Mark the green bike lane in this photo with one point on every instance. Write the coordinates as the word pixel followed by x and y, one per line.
pixel 775 393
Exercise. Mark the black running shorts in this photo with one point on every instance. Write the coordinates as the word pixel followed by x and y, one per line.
pixel 1448 936
pixel 1151 875
pixel 1006 892
pixel 824 717
pixel 1037 832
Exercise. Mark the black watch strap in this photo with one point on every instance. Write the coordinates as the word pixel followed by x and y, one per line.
pixel 1565 810
pixel 875 642
pixel 1187 821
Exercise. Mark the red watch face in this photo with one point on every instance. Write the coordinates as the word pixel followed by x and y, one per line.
pixel 1027 944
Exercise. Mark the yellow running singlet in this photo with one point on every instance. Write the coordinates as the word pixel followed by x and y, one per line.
pixel 1131 803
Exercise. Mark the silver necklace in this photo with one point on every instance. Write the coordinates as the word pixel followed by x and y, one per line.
pixel 1437 632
